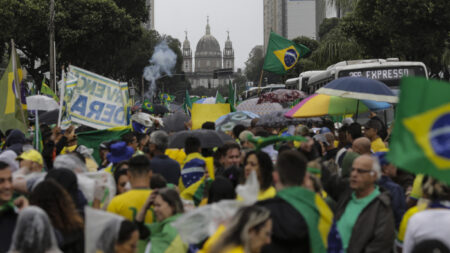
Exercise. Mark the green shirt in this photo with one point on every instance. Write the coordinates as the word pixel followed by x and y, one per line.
pixel 348 219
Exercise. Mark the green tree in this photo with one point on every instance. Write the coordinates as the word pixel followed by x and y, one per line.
pixel 415 30
pixel 89 33
pixel 326 26
pixel 335 47
pixel 254 64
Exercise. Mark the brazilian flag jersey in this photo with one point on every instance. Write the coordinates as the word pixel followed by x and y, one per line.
pixel 129 203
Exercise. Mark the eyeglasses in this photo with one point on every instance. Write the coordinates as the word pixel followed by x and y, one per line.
pixel 361 171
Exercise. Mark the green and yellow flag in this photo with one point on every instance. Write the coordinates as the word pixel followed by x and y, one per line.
pixel 187 105
pixel 421 137
pixel 12 114
pixel 45 90
pixel 282 54
pixel 219 98
pixel 231 97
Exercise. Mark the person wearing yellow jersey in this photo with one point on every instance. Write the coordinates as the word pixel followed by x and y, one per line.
pixel 261 163
pixel 372 128
pixel 129 203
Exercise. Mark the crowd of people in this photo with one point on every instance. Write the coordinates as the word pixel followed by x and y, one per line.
pixel 334 191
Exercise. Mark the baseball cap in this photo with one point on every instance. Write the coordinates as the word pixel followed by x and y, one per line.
pixel 31 155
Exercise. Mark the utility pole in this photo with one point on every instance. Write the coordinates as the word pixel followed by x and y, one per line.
pixel 51 28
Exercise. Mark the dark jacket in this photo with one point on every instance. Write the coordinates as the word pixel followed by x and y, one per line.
pixel 374 230
pixel 168 168
pixel 398 198
pixel 289 228
pixel 8 220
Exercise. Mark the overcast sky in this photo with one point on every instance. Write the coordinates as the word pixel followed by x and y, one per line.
pixel 243 18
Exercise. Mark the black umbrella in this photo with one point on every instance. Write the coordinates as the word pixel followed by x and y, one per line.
pixel 175 122
pixel 208 138
pixel 49 118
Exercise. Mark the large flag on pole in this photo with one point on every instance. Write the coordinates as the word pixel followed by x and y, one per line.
pixel 45 90
pixel 232 97
pixel 282 54
pixel 421 137
pixel 12 114
pixel 187 105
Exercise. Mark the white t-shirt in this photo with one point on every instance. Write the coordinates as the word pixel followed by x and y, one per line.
pixel 430 224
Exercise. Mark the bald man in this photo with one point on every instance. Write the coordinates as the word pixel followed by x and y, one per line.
pixel 365 220
pixel 361 146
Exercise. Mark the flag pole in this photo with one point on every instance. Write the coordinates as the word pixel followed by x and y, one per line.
pixel 260 81
pixel 61 95
pixel 18 88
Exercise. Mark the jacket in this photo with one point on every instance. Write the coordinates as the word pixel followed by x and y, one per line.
pixel 374 230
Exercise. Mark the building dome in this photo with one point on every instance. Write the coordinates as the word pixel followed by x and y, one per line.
pixel 208 45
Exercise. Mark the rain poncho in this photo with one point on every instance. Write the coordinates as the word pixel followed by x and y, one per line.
pixel 9 157
pixel 101 231
pixel 34 232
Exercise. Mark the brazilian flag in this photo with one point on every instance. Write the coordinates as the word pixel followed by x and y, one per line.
pixel 421 137
pixel 147 106
pixel 282 54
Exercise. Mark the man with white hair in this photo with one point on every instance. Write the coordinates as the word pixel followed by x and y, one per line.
pixel 161 163
pixel 365 221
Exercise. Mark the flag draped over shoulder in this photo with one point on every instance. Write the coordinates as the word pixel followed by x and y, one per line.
pixel 165 238
pixel 282 54
pixel 316 213
pixel 93 139
pixel 12 112
pixel 421 137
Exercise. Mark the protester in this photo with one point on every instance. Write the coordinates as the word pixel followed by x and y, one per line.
pixel 293 207
pixel 237 130
pixel 372 131
pixel 131 140
pixel 167 207
pixel 33 233
pixel 244 140
pixel 248 232
pixel 129 203
pixel 59 206
pixel 9 157
pixel 69 181
pixel 432 223
pixel 161 163
pixel 119 151
pixel 261 163
pixel 121 178
pixel 364 215
pixel 15 141
pixel 8 214
pixel 194 165
pixel 231 155
pixel 118 236
pixel 30 161
pixel 220 189
pixel 353 132
pixel 396 192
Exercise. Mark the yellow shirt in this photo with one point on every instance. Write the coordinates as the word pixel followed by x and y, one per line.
pixel 378 145
pixel 128 204
pixel 176 154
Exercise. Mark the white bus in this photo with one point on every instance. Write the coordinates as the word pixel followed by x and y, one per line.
pixel 388 71
pixel 301 82
pixel 253 92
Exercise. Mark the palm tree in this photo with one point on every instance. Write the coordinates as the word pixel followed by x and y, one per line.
pixel 343 6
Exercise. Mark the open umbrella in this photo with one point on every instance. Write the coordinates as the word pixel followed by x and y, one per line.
pixel 41 103
pixel 208 138
pixel 49 117
pixel 277 119
pixel 252 105
pixel 320 105
pixel 175 122
pixel 359 88
pixel 281 96
pixel 227 122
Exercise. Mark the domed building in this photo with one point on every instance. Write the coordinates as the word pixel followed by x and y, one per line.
pixel 208 60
